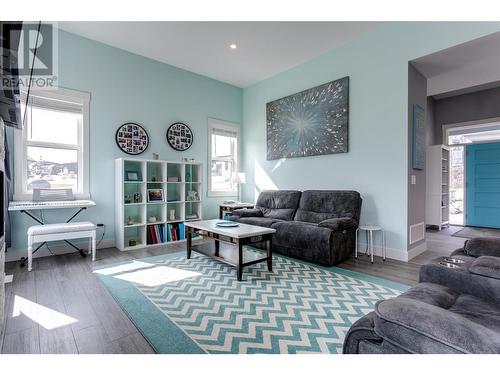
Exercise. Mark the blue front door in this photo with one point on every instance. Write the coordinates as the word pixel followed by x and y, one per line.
pixel 482 185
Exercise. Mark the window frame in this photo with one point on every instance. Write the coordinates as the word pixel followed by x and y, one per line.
pixel 446 128
pixel 227 126
pixel 21 144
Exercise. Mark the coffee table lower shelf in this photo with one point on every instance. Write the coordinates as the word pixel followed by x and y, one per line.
pixel 238 260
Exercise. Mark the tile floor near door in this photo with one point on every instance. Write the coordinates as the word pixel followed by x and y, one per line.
pixel 61 307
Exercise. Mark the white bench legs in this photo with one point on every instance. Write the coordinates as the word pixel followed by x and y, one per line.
pixel 58 232
pixel 92 245
pixel 30 252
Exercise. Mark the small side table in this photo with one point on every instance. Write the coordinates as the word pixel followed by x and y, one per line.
pixel 227 208
pixel 369 229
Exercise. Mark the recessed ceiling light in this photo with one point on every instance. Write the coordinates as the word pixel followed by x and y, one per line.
pixel 233 46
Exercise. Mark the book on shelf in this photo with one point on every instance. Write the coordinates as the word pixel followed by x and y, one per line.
pixel 182 231
pixel 155 234
pixel 176 232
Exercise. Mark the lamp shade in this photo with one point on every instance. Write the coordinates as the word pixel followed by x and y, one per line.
pixel 239 178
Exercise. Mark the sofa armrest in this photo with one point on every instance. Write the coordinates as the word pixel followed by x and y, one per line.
pixel 341 223
pixel 462 279
pixel 425 328
pixel 486 266
pixel 479 246
pixel 248 212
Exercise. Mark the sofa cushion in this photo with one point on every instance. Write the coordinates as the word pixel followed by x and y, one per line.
pixel 318 205
pixel 486 266
pixel 301 235
pixel 476 247
pixel 247 212
pixel 431 318
pixel 259 221
pixel 461 279
pixel 278 204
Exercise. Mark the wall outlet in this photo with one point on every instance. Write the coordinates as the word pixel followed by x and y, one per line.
pixel 413 179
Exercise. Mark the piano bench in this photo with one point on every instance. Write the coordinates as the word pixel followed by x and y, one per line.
pixel 61 231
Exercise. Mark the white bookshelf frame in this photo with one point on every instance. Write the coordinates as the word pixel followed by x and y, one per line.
pixel 141 211
pixel 437 203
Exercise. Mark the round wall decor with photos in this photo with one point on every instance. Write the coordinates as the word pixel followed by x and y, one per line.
pixel 179 136
pixel 132 139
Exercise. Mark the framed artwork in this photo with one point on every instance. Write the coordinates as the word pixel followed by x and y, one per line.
pixel 132 176
pixel 179 136
pixel 132 139
pixel 155 195
pixel 311 122
pixel 418 144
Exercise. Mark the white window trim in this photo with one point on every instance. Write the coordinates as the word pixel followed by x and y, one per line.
pixel 466 125
pixel 20 157
pixel 230 126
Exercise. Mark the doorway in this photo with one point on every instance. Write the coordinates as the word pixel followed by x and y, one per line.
pixel 483 185
pixel 470 199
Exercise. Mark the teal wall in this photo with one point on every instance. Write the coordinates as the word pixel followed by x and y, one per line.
pixel 377 162
pixel 127 87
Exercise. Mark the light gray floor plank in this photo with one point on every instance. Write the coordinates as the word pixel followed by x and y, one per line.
pixel 23 291
pixel 94 340
pixel 72 278
pixel 112 318
pixel 25 342
pixel 102 327
pixel 8 295
pixel 56 336
pixel 132 344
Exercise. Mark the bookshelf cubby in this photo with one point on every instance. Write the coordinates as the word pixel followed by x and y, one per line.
pixel 141 222
pixel 437 165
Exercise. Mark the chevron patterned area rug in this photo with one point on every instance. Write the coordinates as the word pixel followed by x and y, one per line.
pixel 197 306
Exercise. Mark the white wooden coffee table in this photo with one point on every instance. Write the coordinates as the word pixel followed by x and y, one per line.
pixel 239 236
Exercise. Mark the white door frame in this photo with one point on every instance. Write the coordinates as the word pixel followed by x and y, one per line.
pixel 466 125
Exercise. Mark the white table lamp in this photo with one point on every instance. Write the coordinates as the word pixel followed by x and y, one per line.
pixel 238 179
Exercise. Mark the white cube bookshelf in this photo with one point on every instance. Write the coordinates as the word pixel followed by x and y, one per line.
pixel 437 202
pixel 133 210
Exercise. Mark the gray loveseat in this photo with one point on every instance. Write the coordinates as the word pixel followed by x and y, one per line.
pixel 451 310
pixel 318 226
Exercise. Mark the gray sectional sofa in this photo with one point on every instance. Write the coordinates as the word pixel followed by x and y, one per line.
pixel 318 226
pixel 451 310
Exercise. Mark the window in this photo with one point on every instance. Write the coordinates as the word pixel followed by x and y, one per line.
pixel 52 149
pixel 223 139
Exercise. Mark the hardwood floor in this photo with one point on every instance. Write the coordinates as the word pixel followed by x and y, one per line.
pixel 61 307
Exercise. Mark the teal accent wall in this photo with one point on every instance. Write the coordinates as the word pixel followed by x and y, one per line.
pixel 127 87
pixel 377 162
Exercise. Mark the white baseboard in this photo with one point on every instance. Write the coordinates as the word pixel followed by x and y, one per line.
pixel 57 249
pixel 417 250
pixel 395 254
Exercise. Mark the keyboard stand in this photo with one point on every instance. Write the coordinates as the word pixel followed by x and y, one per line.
pixel 82 253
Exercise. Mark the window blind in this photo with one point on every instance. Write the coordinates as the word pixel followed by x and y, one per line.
pixel 225 132
pixel 55 104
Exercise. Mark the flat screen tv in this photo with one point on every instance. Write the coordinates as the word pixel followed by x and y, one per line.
pixel 10 98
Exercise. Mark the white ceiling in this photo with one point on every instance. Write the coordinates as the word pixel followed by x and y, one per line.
pixel 467 67
pixel 264 48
